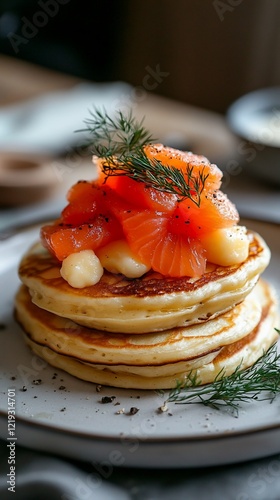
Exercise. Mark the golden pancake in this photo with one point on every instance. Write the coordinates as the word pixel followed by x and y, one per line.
pixel 157 360
pixel 66 337
pixel 147 304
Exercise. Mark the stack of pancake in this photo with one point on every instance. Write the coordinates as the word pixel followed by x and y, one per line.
pixel 149 332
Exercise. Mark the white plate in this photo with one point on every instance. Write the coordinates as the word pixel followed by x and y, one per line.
pixel 65 416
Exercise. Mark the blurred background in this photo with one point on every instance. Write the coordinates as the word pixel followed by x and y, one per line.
pixel 184 64
pixel 213 50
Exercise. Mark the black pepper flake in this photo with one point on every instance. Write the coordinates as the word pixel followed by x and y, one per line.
pixel 13 377
pixel 63 409
pixel 54 376
pixel 107 399
pixel 24 388
pixel 62 388
pixel 38 381
pixel 133 410
pixel 3 326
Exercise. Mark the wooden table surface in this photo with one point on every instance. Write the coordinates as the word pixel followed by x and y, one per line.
pixel 20 80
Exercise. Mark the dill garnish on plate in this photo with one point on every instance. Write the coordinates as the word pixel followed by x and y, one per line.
pixel 259 382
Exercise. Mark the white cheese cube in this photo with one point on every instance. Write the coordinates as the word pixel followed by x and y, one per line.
pixel 226 247
pixel 117 257
pixel 82 269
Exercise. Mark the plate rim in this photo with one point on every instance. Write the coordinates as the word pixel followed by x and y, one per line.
pixel 147 440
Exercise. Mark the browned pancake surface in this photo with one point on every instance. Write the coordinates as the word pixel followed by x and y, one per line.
pixel 47 269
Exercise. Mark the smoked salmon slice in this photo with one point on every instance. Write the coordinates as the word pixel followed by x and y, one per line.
pixel 169 254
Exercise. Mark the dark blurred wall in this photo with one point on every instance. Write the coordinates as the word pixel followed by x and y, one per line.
pixel 74 36
pixel 214 51
pixel 204 52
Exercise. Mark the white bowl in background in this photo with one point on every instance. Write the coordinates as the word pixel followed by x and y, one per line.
pixel 255 119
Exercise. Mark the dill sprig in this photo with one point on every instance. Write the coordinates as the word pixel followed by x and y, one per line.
pixel 156 175
pixel 116 137
pixel 259 382
pixel 120 143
